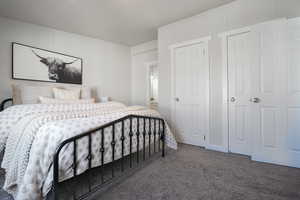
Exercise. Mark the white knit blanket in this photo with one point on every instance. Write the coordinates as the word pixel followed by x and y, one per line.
pixel 10 116
pixel 28 156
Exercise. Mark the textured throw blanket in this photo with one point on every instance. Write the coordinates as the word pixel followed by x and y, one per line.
pixel 35 133
pixel 12 115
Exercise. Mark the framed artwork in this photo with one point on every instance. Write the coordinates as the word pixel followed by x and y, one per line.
pixel 36 64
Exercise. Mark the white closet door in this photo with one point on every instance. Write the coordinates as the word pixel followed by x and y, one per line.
pixel 240 57
pixel 264 79
pixel 191 73
pixel 277 85
pixel 268 87
pixel 292 100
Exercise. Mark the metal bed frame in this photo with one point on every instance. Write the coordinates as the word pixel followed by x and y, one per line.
pixel 155 135
pixel 4 102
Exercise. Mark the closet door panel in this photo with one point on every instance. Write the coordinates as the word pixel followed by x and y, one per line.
pixel 278 108
pixel 191 93
pixel 239 71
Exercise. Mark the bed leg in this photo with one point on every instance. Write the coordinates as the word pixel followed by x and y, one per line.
pixel 163 139
pixel 55 177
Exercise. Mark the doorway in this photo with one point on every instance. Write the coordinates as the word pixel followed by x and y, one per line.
pixel 152 85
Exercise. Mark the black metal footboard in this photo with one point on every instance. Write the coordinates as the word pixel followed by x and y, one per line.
pixel 150 138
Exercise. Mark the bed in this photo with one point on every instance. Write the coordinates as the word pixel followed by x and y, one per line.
pixel 46 145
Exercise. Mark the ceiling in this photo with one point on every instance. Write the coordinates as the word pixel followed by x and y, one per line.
pixel 128 22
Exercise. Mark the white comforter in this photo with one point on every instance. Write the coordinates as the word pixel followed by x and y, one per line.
pixel 31 134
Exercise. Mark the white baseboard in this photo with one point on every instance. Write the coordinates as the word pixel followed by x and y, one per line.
pixel 216 148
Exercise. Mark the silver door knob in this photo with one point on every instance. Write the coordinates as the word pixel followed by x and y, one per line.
pixel 177 99
pixel 232 99
pixel 255 100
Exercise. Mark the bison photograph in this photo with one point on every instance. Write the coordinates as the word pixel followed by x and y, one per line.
pixel 31 63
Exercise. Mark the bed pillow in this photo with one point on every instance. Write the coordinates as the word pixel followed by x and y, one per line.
pixel 104 99
pixel 29 94
pixel 66 94
pixel 16 94
pixel 47 100
pixel 86 92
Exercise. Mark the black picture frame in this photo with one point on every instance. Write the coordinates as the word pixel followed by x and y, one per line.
pixel 13 44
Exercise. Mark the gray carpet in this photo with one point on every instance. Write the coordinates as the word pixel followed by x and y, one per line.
pixel 193 173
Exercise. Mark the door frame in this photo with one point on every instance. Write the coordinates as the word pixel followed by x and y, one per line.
pixel 148 65
pixel 225 80
pixel 172 48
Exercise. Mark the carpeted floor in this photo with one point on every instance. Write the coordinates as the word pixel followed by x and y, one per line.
pixel 192 173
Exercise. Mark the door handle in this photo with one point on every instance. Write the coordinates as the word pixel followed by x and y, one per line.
pixel 232 99
pixel 255 100
pixel 177 99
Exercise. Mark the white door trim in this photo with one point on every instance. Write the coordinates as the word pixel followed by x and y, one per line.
pixel 234 32
pixel 225 120
pixel 172 48
pixel 189 42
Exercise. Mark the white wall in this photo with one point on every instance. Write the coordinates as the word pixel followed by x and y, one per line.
pixel 106 65
pixel 237 14
pixel 141 55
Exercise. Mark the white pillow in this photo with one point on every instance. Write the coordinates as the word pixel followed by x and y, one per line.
pixel 30 94
pixel 86 93
pixel 46 100
pixel 66 94
pixel 104 99
pixel 16 94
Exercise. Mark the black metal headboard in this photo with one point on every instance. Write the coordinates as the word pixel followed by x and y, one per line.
pixel 2 105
